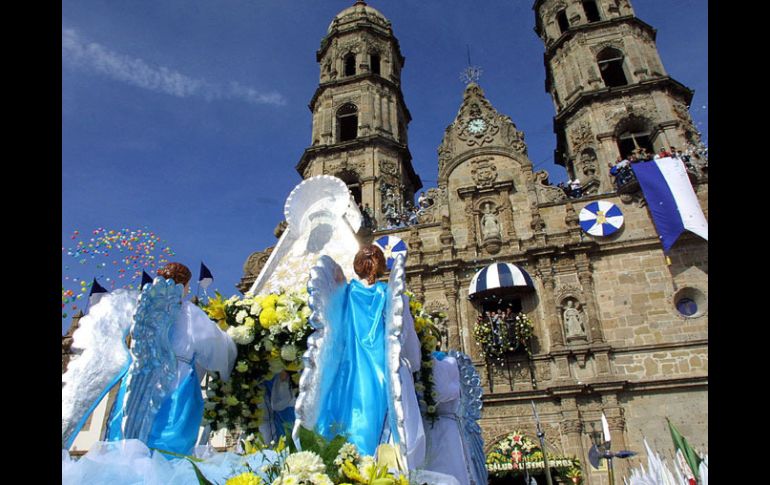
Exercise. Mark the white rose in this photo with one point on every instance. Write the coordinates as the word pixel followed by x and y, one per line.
pixel 289 352
pixel 241 315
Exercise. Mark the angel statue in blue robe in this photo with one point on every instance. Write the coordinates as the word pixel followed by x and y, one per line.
pixel 173 342
pixel 357 381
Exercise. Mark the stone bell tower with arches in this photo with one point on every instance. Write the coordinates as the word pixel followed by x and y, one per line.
pixel 610 90
pixel 360 118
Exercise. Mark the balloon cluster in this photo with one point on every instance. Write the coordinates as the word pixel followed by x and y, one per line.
pixel 116 258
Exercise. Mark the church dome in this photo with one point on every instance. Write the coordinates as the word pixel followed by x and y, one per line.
pixel 359 11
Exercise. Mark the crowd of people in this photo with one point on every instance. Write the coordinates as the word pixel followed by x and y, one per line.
pixel 394 218
pixel 622 172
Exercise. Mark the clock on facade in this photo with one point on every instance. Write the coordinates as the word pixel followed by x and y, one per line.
pixel 477 126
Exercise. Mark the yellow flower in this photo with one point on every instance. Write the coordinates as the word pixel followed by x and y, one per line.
pixel 269 302
pixel 268 317
pixel 223 325
pixel 294 366
pixel 247 478
pixel 249 322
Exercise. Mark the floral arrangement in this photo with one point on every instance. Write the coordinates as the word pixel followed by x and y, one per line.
pixel 320 462
pixel 426 325
pixel 270 332
pixel 499 333
pixel 510 453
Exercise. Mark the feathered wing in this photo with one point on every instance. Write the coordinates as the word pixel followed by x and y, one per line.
pixel 326 279
pixel 469 414
pixel 394 323
pixel 101 359
pixel 153 367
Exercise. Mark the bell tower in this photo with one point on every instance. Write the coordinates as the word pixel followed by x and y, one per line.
pixel 359 116
pixel 610 90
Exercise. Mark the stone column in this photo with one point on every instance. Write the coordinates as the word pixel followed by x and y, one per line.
pixel 471 222
pixel 453 323
pixel 553 321
pixel 586 281
pixel 572 426
pixel 386 114
pixel 617 425
pixel 377 100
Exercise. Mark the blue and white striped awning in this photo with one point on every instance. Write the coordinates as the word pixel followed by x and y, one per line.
pixel 601 218
pixel 500 275
pixel 391 247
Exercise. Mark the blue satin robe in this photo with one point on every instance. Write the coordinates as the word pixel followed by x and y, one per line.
pixel 355 402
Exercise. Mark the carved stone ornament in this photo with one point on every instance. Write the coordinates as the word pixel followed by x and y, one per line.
pixel 587 162
pixel 574 319
pixel 682 113
pixel 435 306
pixel 256 261
pixel 567 291
pixel 547 193
pixel 445 151
pixel 571 218
pixel 537 224
pixel 511 136
pixel 484 172
pixel 581 137
pixel 477 122
pixel 389 167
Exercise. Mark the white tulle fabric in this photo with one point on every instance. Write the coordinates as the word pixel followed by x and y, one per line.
pixel 195 334
pixel 444 452
pixel 410 363
pixel 131 462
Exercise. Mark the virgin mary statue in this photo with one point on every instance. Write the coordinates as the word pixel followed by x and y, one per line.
pixel 357 380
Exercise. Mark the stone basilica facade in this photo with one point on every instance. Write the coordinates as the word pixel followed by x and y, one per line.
pixel 637 358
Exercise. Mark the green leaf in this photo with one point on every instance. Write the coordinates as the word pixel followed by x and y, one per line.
pixel 287 428
pixel 311 441
pixel 201 479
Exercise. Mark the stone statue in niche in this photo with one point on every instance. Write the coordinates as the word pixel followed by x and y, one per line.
pixel 490 226
pixel 574 320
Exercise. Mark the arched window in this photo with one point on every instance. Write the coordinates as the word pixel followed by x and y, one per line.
pixel 347 122
pixel 350 64
pixel 633 134
pixel 351 180
pixel 561 18
pixel 611 67
pixel 591 10
pixel 374 63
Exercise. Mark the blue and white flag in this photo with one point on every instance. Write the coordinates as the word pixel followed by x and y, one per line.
pixel 206 278
pixel 671 199
pixel 145 279
pixel 601 218
pixel 97 292
pixel 391 247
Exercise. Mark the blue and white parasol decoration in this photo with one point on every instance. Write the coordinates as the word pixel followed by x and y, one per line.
pixel 601 218
pixel 500 275
pixel 391 247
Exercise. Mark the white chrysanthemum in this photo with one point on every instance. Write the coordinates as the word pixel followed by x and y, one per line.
pixel 255 309
pixel 241 315
pixel 367 466
pixel 241 335
pixel 320 479
pixel 289 353
pixel 304 463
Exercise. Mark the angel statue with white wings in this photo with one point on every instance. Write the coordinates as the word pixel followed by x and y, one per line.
pixel 357 381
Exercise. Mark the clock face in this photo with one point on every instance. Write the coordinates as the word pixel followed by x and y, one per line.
pixel 477 126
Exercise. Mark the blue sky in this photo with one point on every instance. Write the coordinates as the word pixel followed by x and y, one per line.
pixel 187 117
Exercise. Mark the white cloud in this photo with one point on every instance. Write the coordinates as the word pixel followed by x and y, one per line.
pixel 97 58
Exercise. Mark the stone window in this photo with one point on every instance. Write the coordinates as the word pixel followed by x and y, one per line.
pixel 690 302
pixel 633 135
pixel 352 181
pixel 591 10
pixel 350 64
pixel 347 122
pixel 561 18
pixel 611 67
pixel 374 62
